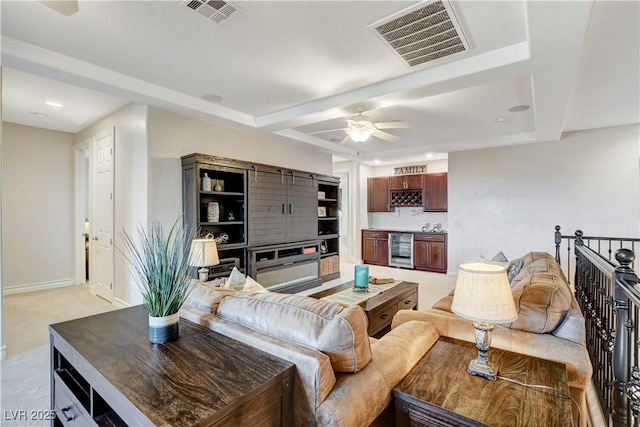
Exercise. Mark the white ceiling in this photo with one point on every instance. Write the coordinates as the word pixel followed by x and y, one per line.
pixel 286 69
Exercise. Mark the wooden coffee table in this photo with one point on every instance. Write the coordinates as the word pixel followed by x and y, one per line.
pixel 438 391
pixel 381 308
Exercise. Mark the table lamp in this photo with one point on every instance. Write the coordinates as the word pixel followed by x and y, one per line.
pixel 203 254
pixel 483 295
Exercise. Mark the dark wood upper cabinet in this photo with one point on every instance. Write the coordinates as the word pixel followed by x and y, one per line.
pixel 378 194
pixel 434 197
pixel 406 182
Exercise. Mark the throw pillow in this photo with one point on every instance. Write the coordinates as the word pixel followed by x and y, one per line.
pixel 251 285
pixel 500 257
pixel 235 280
pixel 514 268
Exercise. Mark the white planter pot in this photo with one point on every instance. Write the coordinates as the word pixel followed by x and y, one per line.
pixel 163 329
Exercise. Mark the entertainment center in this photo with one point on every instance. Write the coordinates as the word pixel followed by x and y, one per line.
pixel 255 210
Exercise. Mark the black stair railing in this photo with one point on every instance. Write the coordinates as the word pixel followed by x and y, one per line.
pixel 609 296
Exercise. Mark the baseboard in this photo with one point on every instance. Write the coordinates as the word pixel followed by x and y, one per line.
pixel 38 286
pixel 120 303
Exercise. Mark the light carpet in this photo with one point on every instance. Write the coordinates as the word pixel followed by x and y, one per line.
pixel 26 391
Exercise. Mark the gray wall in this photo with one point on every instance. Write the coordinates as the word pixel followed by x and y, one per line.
pixel 173 135
pixel 37 215
pixel 510 198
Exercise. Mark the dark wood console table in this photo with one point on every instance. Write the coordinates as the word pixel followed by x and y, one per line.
pixel 438 391
pixel 105 372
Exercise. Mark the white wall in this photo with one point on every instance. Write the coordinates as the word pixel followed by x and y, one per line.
pixel 511 198
pixel 173 135
pixel 37 210
pixel 131 186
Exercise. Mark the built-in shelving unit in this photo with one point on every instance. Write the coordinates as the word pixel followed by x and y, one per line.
pixel 329 228
pixel 261 206
pixel 229 193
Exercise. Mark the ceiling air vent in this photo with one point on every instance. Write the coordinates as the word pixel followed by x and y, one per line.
pixel 216 10
pixel 422 33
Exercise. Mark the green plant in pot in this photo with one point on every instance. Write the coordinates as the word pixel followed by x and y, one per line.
pixel 160 264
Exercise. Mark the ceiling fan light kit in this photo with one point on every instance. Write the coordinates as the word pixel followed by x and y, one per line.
pixel 360 130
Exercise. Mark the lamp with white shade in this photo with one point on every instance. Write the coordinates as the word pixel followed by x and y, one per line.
pixel 203 254
pixel 483 295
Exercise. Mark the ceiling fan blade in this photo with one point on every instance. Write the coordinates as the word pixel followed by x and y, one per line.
pixel 397 124
pixel 385 136
pixel 65 7
pixel 324 131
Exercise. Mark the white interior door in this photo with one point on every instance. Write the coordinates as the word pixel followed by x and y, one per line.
pixel 101 242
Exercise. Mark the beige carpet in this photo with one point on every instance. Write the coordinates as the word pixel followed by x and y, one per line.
pixel 27 316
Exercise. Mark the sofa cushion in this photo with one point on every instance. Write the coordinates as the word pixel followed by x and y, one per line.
pixel 205 297
pixel 339 332
pixel 542 300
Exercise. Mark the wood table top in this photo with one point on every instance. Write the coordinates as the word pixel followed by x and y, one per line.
pixel 373 302
pixel 441 382
pixel 199 377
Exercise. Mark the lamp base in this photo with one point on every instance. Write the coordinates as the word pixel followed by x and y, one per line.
pixel 481 369
pixel 481 365
pixel 203 274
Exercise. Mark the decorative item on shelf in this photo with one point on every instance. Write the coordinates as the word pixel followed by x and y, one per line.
pixel 483 295
pixel 206 182
pixel 322 211
pixel 160 266
pixel 323 247
pixel 321 195
pixel 222 239
pixel 213 212
pixel 231 216
pixel 203 254
pixel 218 186
pixel 361 278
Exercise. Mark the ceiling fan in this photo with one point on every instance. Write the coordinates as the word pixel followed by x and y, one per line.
pixel 65 7
pixel 360 128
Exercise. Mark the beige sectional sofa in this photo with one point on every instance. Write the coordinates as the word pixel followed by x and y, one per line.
pixel 343 378
pixel 549 325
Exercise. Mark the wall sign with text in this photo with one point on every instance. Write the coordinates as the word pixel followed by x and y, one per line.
pixel 405 170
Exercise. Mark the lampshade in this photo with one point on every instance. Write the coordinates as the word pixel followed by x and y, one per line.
pixel 483 294
pixel 204 253
pixel 360 130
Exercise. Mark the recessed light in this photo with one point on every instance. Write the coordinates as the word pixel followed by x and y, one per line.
pixel 211 97
pixel 40 115
pixel 429 155
pixel 376 161
pixel 519 108
pixel 54 104
pixel 501 120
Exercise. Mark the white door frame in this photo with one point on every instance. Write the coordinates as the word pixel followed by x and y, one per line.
pixel 82 178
